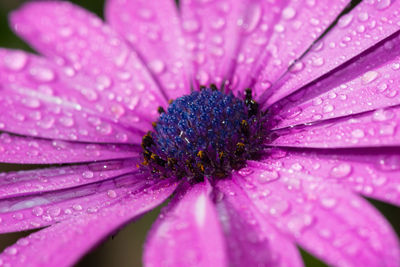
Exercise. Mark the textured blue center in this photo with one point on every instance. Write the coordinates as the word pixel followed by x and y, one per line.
pixel 207 133
pixel 196 122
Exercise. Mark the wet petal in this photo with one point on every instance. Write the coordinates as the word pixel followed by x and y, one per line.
pixel 254 34
pixel 42 209
pixel 300 24
pixel 366 25
pixel 367 83
pixel 212 37
pixel 64 243
pixel 39 99
pixel 369 129
pixel 24 150
pixel 371 172
pixel 283 36
pixel 251 240
pixel 153 29
pixel 23 183
pixel 321 216
pixel 70 36
pixel 188 234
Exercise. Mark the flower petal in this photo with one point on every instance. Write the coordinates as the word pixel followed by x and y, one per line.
pixel 251 240
pixel 321 215
pixel 153 29
pixel 369 129
pixel 300 24
pixel 293 30
pixel 254 36
pixel 39 99
pixel 366 25
pixel 212 35
pixel 80 42
pixel 42 209
pixel 188 234
pixel 371 172
pixel 23 183
pixel 365 84
pixel 64 243
pixel 24 150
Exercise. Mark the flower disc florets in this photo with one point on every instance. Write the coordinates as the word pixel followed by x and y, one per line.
pixel 204 134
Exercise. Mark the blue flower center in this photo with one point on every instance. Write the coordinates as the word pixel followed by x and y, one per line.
pixel 204 134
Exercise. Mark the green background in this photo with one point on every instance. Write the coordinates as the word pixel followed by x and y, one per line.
pixel 125 247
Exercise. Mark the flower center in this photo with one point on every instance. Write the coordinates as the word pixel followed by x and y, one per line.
pixel 204 134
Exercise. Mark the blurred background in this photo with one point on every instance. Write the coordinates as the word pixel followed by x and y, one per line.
pixel 125 247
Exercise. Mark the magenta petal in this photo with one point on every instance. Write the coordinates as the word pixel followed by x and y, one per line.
pixel 363 27
pixel 212 35
pixel 251 240
pixel 370 129
pixel 70 36
pixel 25 150
pixel 256 31
pixel 22 183
pixel 188 234
pixel 42 209
pixel 299 25
pixel 64 243
pixel 322 216
pixel 367 83
pixel 39 99
pixel 153 29
pixel 371 172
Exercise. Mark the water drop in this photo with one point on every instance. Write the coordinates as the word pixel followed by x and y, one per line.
pixel 341 171
pixel 111 194
pixel 42 74
pixel 15 61
pixel 358 133
pixel 345 20
pixel 87 174
pixel 288 13
pixel 157 66
pixel 369 77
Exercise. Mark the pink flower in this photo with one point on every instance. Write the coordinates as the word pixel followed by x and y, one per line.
pixel 333 107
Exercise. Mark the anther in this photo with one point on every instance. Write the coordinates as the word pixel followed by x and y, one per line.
pixel 161 110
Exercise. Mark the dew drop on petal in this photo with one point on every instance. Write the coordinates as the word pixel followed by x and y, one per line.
pixel 42 74
pixel 369 76
pixel 358 133
pixel 288 13
pixel 383 4
pixel 268 176
pixel 341 171
pixel 15 61
pixel 111 194
pixel 88 174
pixel 389 163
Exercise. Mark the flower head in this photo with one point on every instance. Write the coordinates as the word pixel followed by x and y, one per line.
pixel 252 172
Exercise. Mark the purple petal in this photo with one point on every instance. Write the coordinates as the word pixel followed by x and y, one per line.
pixel 371 172
pixel 70 36
pixel 39 99
pixel 273 53
pixel 188 234
pixel 370 129
pixel 321 215
pixel 363 27
pixel 251 240
pixel 39 210
pixel 64 243
pixel 24 150
pixel 367 83
pixel 22 183
pixel 212 35
pixel 153 29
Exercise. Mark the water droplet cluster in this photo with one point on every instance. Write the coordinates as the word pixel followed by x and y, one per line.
pixel 204 134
